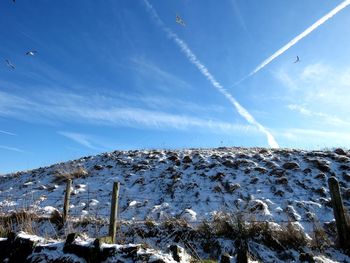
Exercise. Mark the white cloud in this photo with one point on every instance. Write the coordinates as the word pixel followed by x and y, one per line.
pixel 313 138
pixel 97 110
pixel 80 138
pixel 8 133
pixel 331 119
pixel 8 148
pixel 321 87
pixel 166 80
pixel 285 78
pixel 315 72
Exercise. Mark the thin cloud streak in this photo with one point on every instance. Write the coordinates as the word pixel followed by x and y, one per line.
pixel 333 120
pixel 68 107
pixel 203 69
pixel 14 149
pixel 80 138
pixel 8 133
pixel 295 40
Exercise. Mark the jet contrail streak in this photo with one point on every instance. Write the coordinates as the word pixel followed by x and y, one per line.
pixel 7 133
pixel 203 69
pixel 297 39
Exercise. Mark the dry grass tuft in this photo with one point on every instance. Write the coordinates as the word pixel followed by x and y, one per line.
pixel 57 219
pixel 18 221
pixel 63 174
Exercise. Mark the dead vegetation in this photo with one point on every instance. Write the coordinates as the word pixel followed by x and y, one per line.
pixel 18 221
pixel 61 175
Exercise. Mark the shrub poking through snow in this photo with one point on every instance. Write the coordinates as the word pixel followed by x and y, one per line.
pixel 62 175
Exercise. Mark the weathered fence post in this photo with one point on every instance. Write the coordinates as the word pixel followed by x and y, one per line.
pixel 339 214
pixel 242 242
pixel 66 200
pixel 114 209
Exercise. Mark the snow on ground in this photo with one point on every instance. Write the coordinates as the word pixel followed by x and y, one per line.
pixel 276 185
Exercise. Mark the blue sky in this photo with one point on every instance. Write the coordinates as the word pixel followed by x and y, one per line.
pixel 114 75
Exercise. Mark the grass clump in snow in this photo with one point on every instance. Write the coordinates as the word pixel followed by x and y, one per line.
pixel 18 221
pixel 63 174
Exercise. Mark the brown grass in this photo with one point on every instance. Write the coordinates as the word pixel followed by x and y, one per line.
pixel 18 221
pixel 62 175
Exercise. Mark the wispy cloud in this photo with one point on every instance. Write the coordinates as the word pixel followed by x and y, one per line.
pixel 238 14
pixel 295 40
pixel 320 86
pixel 315 138
pixel 8 148
pixel 330 119
pixel 80 138
pixel 166 79
pixel 97 110
pixel 285 78
pixel 8 133
pixel 203 69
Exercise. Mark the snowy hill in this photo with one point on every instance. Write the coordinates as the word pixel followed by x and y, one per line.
pixel 279 186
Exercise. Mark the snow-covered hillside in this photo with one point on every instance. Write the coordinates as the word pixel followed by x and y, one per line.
pixel 275 185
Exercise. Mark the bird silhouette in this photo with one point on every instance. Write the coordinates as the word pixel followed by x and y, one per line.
pixel 9 64
pixel 180 21
pixel 31 53
pixel 297 60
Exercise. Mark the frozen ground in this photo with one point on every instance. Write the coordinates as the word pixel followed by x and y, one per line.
pixel 276 185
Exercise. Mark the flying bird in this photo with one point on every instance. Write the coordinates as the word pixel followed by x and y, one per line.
pixel 180 21
pixel 297 60
pixel 31 53
pixel 9 64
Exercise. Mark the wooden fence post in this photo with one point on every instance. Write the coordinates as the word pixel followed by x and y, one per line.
pixel 66 200
pixel 114 210
pixel 339 214
pixel 242 242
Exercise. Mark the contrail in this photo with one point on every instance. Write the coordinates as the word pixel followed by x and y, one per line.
pixel 203 69
pixel 296 39
pixel 7 133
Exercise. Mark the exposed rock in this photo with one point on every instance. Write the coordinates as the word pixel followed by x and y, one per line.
pixel 340 151
pixel 346 194
pixel 187 159
pixel 307 171
pixel 346 176
pixel 218 177
pixel 257 205
pixel 291 165
pixel 271 165
pixel 254 180
pixel 264 151
pixel 292 213
pixel 225 258
pixel 261 170
pixel 321 176
pixel 325 201
pixel 217 189
pixel 98 167
pixel 244 163
pixel 231 187
pixel 320 164
pixel 70 238
pixel 321 191
pixel 277 172
pixel 282 180
pixel 279 193
pixel 230 164
pixel 175 251
pixel 306 257
pixel 342 159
